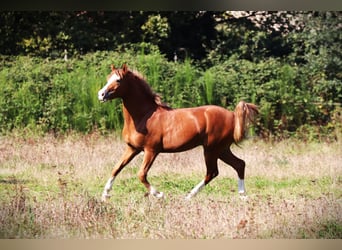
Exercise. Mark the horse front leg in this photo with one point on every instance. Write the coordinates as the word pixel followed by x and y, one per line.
pixel 128 155
pixel 149 157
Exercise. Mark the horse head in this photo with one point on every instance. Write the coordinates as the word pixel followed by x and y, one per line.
pixel 113 87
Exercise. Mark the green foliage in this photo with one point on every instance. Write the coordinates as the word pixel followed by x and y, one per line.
pixel 330 230
pixel 155 29
pixel 288 63
pixel 58 96
pixel 49 95
pixel 209 86
pixel 186 91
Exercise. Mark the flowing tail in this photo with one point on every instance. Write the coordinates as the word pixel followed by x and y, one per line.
pixel 244 113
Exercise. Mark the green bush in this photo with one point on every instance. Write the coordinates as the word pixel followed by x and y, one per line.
pixel 58 96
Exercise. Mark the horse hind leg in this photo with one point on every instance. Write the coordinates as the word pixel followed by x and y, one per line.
pixel 239 166
pixel 212 172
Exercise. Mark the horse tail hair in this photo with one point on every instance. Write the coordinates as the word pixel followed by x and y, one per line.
pixel 243 114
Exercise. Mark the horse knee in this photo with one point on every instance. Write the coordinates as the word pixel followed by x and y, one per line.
pixel 142 176
pixel 216 173
pixel 211 176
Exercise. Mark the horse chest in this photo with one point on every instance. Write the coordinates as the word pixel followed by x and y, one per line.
pixel 133 137
pixel 138 138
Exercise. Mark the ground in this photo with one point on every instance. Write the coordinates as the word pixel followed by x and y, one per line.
pixel 51 188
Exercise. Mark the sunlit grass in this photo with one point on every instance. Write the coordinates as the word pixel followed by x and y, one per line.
pixel 51 188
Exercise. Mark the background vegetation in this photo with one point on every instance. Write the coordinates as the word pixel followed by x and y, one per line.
pixel 289 63
pixel 54 159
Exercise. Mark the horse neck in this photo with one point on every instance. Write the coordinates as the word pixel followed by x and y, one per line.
pixel 138 105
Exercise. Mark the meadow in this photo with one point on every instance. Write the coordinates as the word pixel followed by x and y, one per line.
pixel 57 145
pixel 51 187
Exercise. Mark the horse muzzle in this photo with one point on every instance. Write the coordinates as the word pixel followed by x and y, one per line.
pixel 102 95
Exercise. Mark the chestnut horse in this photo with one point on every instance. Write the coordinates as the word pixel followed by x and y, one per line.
pixel 153 127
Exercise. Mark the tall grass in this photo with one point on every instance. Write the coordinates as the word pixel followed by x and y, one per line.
pixel 186 90
pixel 209 85
pixel 50 188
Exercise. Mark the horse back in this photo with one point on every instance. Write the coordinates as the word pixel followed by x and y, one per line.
pixel 185 128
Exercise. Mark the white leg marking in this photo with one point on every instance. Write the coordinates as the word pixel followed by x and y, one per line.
pixel 107 188
pixel 241 186
pixel 156 193
pixel 195 190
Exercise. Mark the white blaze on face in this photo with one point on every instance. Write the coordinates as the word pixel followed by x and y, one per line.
pixel 113 78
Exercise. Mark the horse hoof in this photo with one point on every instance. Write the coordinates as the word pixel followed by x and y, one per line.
pixel 188 197
pixel 159 195
pixel 243 197
pixel 105 198
pixel 156 193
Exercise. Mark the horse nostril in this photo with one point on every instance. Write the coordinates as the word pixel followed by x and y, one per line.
pixel 102 94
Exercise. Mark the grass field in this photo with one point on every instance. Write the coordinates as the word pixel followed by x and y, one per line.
pixel 51 188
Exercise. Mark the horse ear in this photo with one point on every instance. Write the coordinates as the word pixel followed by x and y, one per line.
pixel 124 68
pixel 112 67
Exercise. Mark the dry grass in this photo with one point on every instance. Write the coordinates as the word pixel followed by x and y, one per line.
pixel 50 188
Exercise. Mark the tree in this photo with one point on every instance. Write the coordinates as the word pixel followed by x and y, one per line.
pixel 155 29
pixel 253 35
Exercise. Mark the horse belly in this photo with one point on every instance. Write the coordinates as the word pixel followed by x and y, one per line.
pixel 183 133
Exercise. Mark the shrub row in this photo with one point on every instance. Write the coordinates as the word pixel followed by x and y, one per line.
pixel 57 95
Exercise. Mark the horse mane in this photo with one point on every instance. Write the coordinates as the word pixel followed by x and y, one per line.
pixel 148 90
